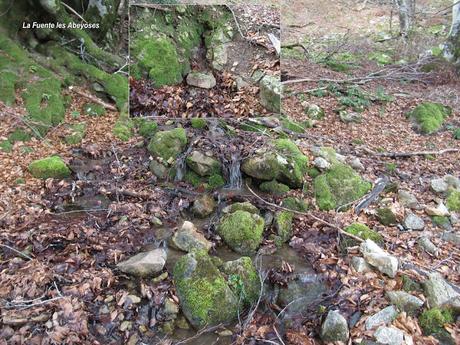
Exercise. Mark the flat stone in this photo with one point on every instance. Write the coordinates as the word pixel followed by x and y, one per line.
pixel 321 163
pixel 360 265
pixel 356 164
pixel 144 264
pixel 377 257
pixel 405 301
pixel 187 238
pixel 384 316
pixel 438 292
pixel 350 116
pixel 203 206
pixel 440 210
pixel 408 200
pixel 201 80
pixel 451 236
pixel 202 164
pixel 414 222
pixel 427 245
pixel 270 93
pixel 334 328
pixel 389 336
pixel 439 185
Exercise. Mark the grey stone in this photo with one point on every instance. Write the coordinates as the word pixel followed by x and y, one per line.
pixel 383 317
pixel 389 336
pixel 144 264
pixel 452 181
pixel 404 301
pixel 240 83
pixel 439 185
pixel 438 292
pixel 187 238
pixel 202 164
pixel 321 163
pixel 440 210
pixel 170 309
pixel 413 222
pixel 201 80
pixel 314 112
pixel 356 164
pixel 451 236
pixel 335 327
pixel 427 245
pixel 270 93
pixel 377 257
pixel 408 200
pixel 350 116
pixel 203 206
pixel 360 265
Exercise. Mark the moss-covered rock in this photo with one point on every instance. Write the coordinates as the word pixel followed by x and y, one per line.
pixel 193 178
pixel 123 129
pixel 270 93
pixel 339 186
pixel 286 164
pixel 77 133
pixel 274 187
pixel 433 320
pixel 386 216
pixel 429 116
pixel 202 164
pixel 453 200
pixel 295 204
pixel 205 297
pixel 216 181
pixel 242 231
pixel 93 109
pixel 243 279
pixel 168 144
pixel 241 206
pixel 283 224
pixel 364 232
pixel 50 167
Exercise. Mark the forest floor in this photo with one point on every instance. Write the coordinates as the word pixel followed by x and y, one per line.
pixel 384 128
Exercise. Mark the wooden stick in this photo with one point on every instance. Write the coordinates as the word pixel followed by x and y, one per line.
pixel 16 251
pixel 410 154
pixel 94 99
pixel 340 230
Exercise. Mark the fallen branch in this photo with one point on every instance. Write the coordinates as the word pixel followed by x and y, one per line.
pixel 340 230
pixel 199 333
pixel 236 21
pixel 410 154
pixel 16 251
pixel 94 99
pixel 152 6
pixel 379 186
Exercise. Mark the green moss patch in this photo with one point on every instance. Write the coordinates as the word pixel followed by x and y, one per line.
pixel 147 128
pixel 123 129
pixel 198 123
pixel 216 181
pixel 283 224
pixel 386 216
pixel 93 109
pixel 19 135
pixel 242 231
pixel 77 133
pixel 6 146
pixel 453 200
pixel 168 144
pixel 364 232
pixel 433 320
pixel 50 167
pixel 339 186
pixel 429 116
pixel 274 187
pixel 295 204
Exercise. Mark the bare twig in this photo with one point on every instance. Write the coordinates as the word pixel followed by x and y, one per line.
pixel 236 21
pixel 152 6
pixel 94 99
pixel 73 11
pixel 199 333
pixel 410 154
pixel 16 251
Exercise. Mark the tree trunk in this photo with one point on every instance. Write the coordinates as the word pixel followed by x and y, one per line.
pixel 406 10
pixel 452 46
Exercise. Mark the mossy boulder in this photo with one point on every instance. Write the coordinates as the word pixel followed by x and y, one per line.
pixel 241 206
pixel 168 145
pixel 243 279
pixel 283 224
pixel 159 57
pixel 386 216
pixel 339 186
pixel 285 163
pixel 202 164
pixel 274 187
pixel 50 167
pixel 429 117
pixel 147 128
pixel 453 200
pixel 242 231
pixel 198 123
pixel 93 109
pixel 432 321
pixel 361 231
pixel 295 204
pixel 205 297
pixel 270 93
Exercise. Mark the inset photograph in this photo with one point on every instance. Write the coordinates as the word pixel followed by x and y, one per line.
pixel 378 83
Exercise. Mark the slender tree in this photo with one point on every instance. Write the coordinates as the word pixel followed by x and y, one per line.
pixel 452 46
pixel 406 9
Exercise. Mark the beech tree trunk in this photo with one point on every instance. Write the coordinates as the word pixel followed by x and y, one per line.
pixel 452 46
pixel 406 9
